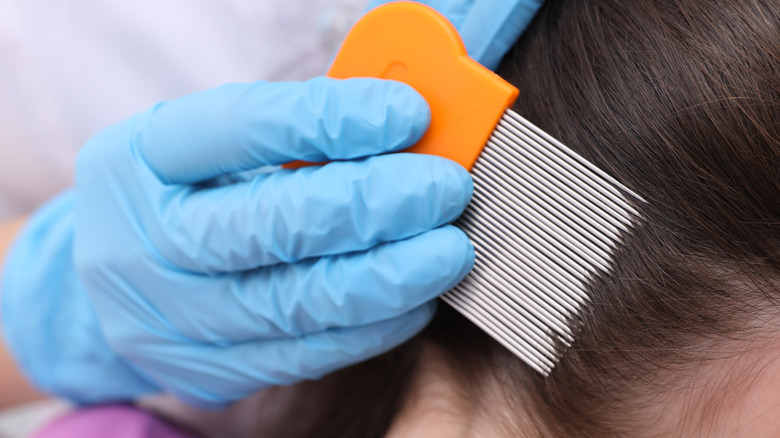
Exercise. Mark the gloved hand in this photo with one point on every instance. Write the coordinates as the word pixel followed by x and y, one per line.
pixel 488 28
pixel 212 291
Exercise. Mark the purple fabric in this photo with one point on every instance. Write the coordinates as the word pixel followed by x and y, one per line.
pixel 118 421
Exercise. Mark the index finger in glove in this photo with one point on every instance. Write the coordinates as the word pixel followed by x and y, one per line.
pixel 238 127
pixel 292 300
pixel 289 216
pixel 210 377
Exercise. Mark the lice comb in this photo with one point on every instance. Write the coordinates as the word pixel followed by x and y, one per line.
pixel 543 220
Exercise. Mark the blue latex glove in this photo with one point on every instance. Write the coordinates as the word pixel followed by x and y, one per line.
pixel 210 291
pixel 488 28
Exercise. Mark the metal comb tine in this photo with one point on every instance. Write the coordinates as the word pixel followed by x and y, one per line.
pixel 551 317
pixel 510 256
pixel 518 345
pixel 532 321
pixel 551 213
pixel 575 206
pixel 535 331
pixel 520 175
pixel 522 287
pixel 543 358
pixel 538 154
pixel 547 324
pixel 532 276
pixel 569 257
pixel 576 184
pixel 520 282
pixel 520 342
pixel 565 154
pixel 555 232
pixel 574 159
pixel 549 321
pixel 557 301
pixel 519 171
pixel 509 342
pixel 521 244
pixel 532 335
pixel 531 331
pixel 485 286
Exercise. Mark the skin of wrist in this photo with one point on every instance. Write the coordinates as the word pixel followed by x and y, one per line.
pixel 16 389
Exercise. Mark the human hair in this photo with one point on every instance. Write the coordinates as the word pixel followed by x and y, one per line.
pixel 680 101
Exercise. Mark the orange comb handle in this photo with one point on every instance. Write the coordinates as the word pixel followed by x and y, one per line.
pixel 413 43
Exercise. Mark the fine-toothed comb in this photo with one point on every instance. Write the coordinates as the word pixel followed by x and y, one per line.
pixel 543 220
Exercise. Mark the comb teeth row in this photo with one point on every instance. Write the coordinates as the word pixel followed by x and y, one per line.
pixel 543 221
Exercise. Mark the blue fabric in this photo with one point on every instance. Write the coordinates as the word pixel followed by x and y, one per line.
pixel 49 321
pixel 488 28
pixel 151 277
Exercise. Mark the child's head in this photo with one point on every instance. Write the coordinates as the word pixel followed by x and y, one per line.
pixel 679 100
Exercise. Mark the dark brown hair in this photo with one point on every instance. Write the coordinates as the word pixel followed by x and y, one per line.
pixel 680 101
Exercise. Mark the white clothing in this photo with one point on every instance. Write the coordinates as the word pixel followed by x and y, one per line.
pixel 71 67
